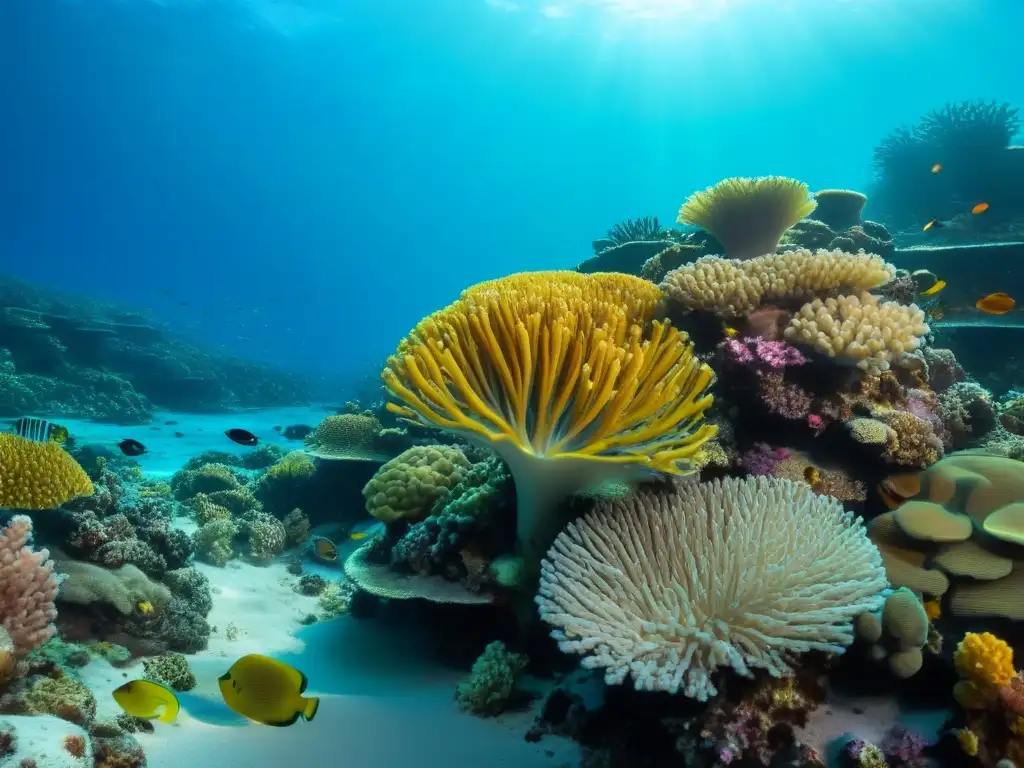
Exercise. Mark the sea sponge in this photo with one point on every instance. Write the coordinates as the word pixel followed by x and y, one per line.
pixel 839 208
pixel 567 377
pixel 38 475
pixel 732 288
pixel 491 682
pixel 748 216
pixel 985 664
pixel 860 329
pixel 669 586
pixel 346 437
pixel 170 669
pixel 407 486
pixel 905 619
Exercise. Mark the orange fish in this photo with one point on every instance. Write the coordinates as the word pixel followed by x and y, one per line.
pixel 933 224
pixel 325 548
pixel 979 208
pixel 995 304
pixel 937 168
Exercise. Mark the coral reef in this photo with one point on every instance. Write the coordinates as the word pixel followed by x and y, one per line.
pixel 818 573
pixel 492 681
pixel 72 357
pixel 509 381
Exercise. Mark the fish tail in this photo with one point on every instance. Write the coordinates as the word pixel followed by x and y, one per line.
pixel 312 705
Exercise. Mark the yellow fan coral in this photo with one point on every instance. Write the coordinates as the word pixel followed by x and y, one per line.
pixel 748 216
pixel 566 376
pixel 38 475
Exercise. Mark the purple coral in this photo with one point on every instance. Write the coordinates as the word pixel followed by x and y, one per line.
pixel 781 397
pixel 762 353
pixel 761 459
pixel 904 747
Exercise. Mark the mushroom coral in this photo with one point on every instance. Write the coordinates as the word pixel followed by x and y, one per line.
pixel 566 376
pixel 748 216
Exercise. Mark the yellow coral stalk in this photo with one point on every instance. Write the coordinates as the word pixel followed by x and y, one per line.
pixel 566 376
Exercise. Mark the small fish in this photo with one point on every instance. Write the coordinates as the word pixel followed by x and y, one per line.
pixel 325 549
pixel 939 285
pixel 731 333
pixel 934 224
pixel 154 429
pixel 144 607
pixel 365 529
pixel 278 428
pixel 995 304
pixel 267 690
pixel 242 436
pixel 131 447
pixel 979 208
pixel 937 168
pixel 935 313
pixel 170 423
pixel 179 434
pixel 148 700
pixel 812 475
pixel 34 429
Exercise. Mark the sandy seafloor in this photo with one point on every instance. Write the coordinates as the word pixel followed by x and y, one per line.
pixel 383 703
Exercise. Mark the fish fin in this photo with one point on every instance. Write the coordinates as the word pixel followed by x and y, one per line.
pixel 170 712
pixel 303 682
pixel 312 705
pixel 283 723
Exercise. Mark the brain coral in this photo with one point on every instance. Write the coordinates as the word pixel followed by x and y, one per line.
pixel 408 485
pixel 38 475
pixel 346 436
pixel 669 586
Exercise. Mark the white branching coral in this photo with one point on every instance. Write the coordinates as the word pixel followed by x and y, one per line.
pixel 667 586
pixel 861 329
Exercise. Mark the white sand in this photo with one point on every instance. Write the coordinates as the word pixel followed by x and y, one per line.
pixel 41 738
pixel 383 705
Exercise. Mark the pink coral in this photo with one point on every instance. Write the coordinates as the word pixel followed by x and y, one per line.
pixel 762 352
pixel 28 588
pixel 1012 694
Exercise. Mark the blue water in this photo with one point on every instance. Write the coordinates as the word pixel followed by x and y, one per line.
pixel 312 176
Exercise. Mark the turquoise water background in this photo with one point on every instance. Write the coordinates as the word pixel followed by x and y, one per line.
pixel 310 177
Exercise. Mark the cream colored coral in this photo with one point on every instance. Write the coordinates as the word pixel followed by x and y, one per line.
pixel 731 287
pixel 860 328
pixel 408 485
pixel 870 431
pixel 668 586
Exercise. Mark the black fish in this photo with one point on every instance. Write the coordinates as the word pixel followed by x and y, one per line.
pixel 170 423
pixel 131 447
pixel 297 431
pixel 242 436
pixel 277 428
pixel 179 434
